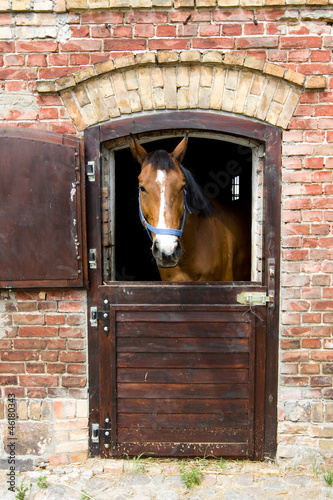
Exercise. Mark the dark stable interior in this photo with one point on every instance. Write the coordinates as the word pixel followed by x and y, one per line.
pixel 213 163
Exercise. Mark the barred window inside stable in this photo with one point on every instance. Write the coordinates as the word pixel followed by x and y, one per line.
pixel 235 188
pixel 218 163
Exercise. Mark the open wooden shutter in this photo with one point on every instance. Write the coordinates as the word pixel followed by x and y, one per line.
pixel 42 210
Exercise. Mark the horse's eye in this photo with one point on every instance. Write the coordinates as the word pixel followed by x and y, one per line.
pixel 142 189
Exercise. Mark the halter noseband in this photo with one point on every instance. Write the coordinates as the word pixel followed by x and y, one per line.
pixel 166 231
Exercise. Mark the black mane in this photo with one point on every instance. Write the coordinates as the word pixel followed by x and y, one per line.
pixel 196 199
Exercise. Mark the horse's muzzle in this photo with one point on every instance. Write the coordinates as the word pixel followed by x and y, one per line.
pixel 167 257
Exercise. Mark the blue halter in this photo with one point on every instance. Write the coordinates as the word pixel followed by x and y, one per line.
pixel 166 231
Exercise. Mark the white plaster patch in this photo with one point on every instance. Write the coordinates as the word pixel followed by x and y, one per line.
pixel 11 101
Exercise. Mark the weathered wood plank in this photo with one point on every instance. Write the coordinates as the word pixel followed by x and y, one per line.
pixel 182 376
pixel 149 344
pixel 205 391
pixel 185 421
pixel 182 316
pixel 184 360
pixel 220 329
pixel 225 435
pixel 183 406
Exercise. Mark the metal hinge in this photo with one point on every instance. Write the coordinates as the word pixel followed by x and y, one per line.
pixel 90 171
pixel 97 433
pixel 254 298
pixel 104 316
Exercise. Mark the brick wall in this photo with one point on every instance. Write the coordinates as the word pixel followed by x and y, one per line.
pixel 43 362
pixel 43 348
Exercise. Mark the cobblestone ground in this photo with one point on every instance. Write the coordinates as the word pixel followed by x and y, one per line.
pixel 150 479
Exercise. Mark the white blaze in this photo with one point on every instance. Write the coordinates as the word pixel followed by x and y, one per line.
pixel 166 242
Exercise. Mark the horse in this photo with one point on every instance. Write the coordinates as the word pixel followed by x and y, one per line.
pixel 194 238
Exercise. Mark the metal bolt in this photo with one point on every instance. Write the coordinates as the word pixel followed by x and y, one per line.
pixel 107 433
pixel 106 329
pixel 106 301
pixel 106 445
pixel 106 420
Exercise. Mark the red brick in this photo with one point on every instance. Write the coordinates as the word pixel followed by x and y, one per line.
pixel 55 319
pixel 298 55
pixel 38 331
pixel 58 460
pixel 48 113
pixel 290 344
pixel 311 344
pixel 317 69
pixel 294 381
pixel 77 369
pixel 102 17
pixel 81 46
pixel 70 357
pixel 76 344
pixel 8 380
pixel 148 17
pixel 257 41
pixel 290 319
pixel 322 176
pixel 123 31
pixel 310 369
pixel 71 306
pixel 167 44
pixel 49 355
pixel 321 381
pixel 29 344
pixel 295 254
pixel 17 74
pixel 312 189
pixel 47 306
pixel 72 381
pixel 311 318
pixel 79 59
pixel 44 46
pixel 70 332
pixel 230 30
pixel 55 368
pixel 11 367
pixel 297 177
pixel 147 30
pixel 38 380
pixel 232 15
pixel 296 356
pixel 35 367
pixel 306 42
pixel 14 60
pixel 19 356
pixel 161 31
pixel 56 344
pixel 5 344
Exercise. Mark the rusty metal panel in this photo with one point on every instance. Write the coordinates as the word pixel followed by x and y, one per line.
pixel 41 228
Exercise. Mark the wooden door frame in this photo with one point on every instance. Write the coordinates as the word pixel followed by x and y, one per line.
pixel 270 137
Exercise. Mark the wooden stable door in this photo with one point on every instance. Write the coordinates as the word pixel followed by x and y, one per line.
pixel 184 369
pixel 184 379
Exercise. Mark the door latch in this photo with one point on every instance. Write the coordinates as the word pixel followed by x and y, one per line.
pixel 253 298
pixel 90 171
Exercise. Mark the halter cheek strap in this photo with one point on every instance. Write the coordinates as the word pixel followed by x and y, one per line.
pixel 165 231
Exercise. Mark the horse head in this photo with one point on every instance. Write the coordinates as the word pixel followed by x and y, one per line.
pixel 162 200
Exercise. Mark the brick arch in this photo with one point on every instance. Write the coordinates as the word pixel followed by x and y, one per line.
pixel 211 80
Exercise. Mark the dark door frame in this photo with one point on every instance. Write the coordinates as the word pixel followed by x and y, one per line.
pixel 270 138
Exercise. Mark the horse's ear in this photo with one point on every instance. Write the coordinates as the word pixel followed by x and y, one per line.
pixel 179 152
pixel 138 151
